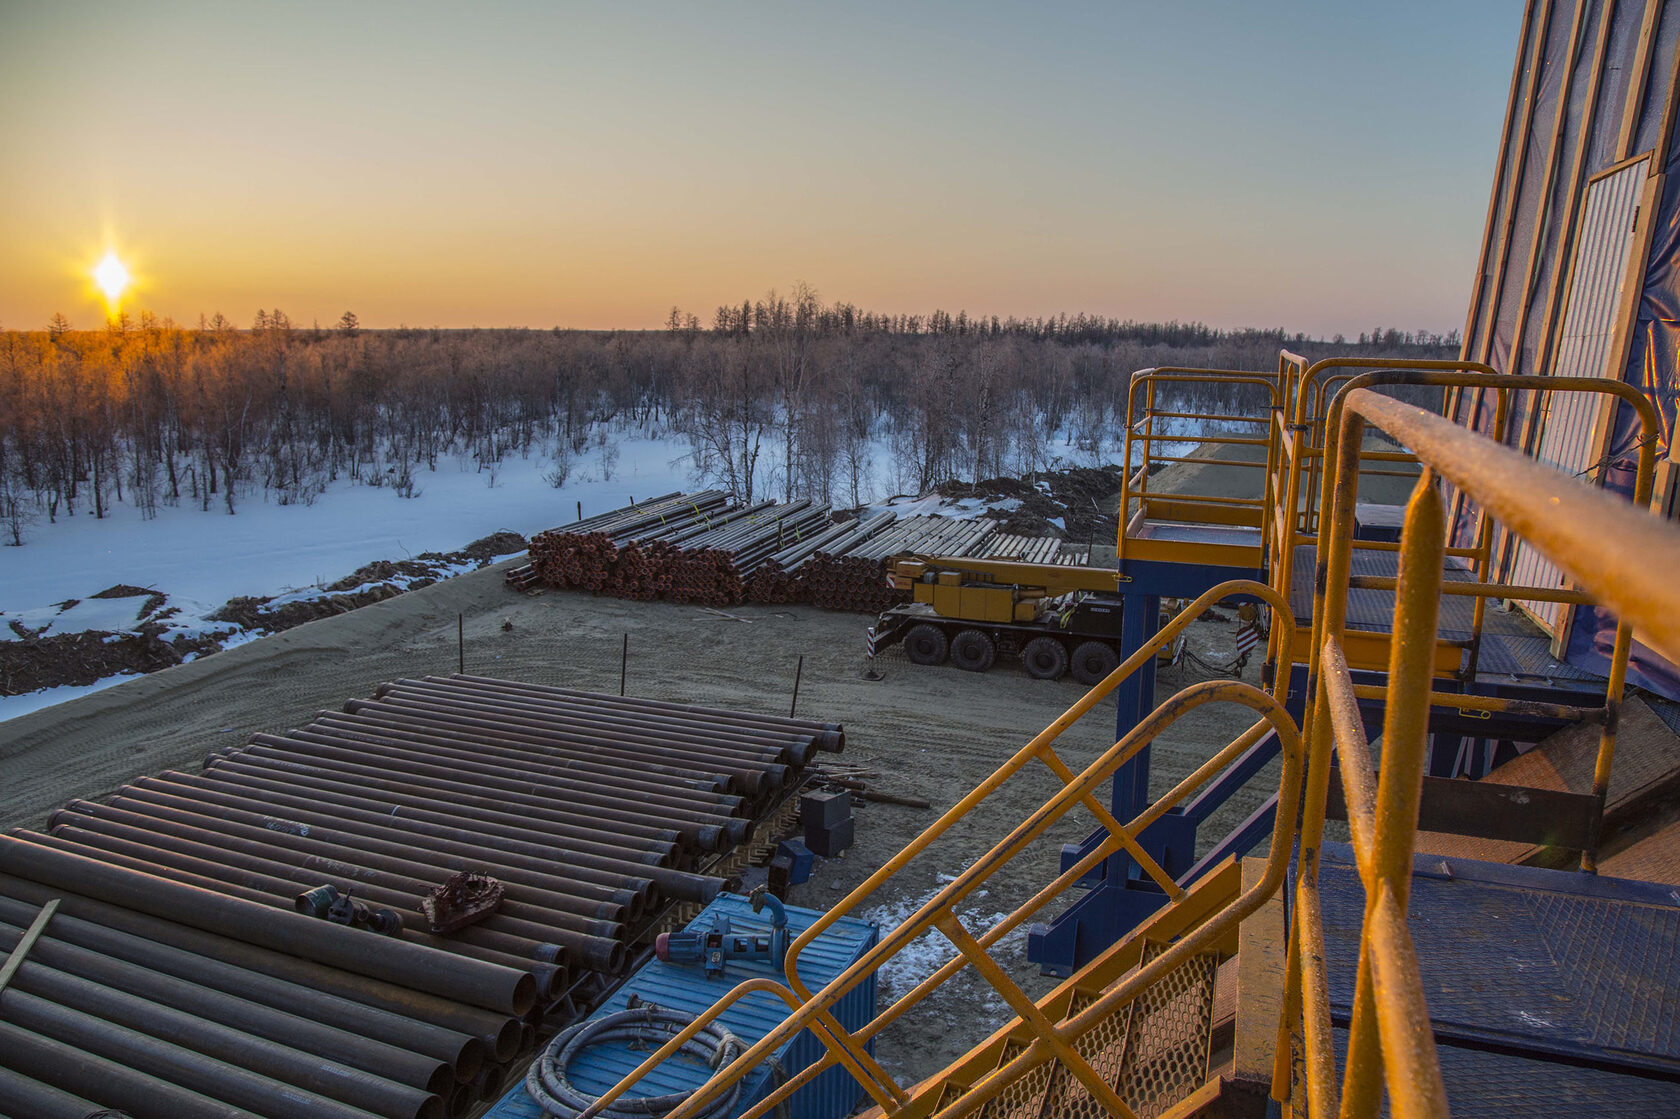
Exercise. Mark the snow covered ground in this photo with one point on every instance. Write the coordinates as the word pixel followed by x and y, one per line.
pixel 199 560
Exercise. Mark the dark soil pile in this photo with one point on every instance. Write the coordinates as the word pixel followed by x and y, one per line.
pixel 370 583
pixel 82 658
pixel 1081 497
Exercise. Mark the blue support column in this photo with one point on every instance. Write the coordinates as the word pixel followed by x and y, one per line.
pixel 1120 895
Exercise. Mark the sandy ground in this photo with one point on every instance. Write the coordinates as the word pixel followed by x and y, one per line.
pixel 929 732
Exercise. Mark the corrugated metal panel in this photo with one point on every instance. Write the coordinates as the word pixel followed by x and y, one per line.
pixel 1587 340
pixel 686 989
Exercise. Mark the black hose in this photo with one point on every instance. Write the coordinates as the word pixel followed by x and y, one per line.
pixel 548 1085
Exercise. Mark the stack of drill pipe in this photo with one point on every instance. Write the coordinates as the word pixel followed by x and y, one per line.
pixel 1074 555
pixel 779 579
pixel 171 1002
pixel 1026 549
pixel 857 580
pixel 639 521
pixel 593 811
pixel 586 555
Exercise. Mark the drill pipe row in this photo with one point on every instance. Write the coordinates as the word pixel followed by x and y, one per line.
pixel 163 1000
pixel 593 811
pixel 701 549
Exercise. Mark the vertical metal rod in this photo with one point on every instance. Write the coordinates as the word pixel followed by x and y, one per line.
pixel 580 510
pixel 798 671
pixel 461 643
pixel 624 664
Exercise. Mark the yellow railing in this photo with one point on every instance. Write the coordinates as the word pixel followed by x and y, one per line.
pixel 1389 1042
pixel 1483 585
pixel 1142 435
pixel 1052 1041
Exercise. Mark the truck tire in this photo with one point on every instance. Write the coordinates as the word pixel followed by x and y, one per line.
pixel 973 651
pixel 926 644
pixel 1045 658
pixel 1092 661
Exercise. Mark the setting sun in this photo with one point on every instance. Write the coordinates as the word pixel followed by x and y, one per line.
pixel 111 276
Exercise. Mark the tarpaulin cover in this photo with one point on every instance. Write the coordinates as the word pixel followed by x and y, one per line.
pixel 1592 122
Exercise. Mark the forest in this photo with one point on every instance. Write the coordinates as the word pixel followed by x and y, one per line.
pixel 782 396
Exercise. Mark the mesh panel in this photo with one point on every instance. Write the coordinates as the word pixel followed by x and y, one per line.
pixel 1171 1030
pixel 1103 1047
pixel 1023 1099
pixel 1154 1050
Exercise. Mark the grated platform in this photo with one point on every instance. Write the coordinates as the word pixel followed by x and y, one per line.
pixel 1547 989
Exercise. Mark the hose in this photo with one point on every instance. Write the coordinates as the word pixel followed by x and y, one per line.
pixel 549 1086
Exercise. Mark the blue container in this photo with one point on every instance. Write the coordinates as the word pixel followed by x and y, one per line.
pixel 685 989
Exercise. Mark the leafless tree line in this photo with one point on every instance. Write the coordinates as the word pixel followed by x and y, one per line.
pixel 783 396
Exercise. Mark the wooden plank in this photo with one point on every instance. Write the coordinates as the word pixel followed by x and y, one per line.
pixel 36 927
pixel 1638 80
pixel 1261 952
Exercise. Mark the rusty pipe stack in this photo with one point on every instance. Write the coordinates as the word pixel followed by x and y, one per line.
pixel 701 549
pixel 171 1002
pixel 857 578
pixel 594 811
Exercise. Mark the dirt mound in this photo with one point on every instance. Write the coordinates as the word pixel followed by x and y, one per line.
pixel 82 658
pixel 123 590
pixel 370 583
pixel 1080 497
pixel 502 543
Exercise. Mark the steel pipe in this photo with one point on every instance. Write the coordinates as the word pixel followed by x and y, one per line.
pixel 461 1053
pixel 71 1068
pixel 498 1033
pixel 491 986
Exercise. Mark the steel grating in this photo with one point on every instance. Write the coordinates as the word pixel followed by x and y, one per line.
pixel 1546 964
pixel 1481 1082
pixel 1154 1051
pixel 1104 1047
pixel 1023 1099
pixel 1169 1036
pixel 1512 645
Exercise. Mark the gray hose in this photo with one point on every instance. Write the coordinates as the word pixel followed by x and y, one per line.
pixel 548 1085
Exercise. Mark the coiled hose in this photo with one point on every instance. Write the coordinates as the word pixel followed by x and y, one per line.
pixel 548 1084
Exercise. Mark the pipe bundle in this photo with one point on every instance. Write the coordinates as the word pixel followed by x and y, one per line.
pixel 167 1001
pixel 593 812
pixel 701 549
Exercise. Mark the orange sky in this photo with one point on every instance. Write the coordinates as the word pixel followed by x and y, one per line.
pixel 1315 166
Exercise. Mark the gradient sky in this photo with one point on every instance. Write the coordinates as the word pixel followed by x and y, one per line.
pixel 1317 166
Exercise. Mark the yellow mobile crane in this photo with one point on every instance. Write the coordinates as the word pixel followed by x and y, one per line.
pixel 1057 619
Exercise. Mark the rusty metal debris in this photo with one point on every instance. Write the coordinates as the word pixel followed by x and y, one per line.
pixel 461 899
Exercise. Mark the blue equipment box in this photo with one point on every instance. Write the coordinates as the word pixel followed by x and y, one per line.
pixel 684 988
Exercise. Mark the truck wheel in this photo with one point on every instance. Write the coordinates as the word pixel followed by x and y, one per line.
pixel 1045 658
pixel 1092 662
pixel 973 651
pixel 926 644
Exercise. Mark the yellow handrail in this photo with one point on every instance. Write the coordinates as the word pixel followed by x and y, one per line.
pixel 1389 1043
pixel 1482 588
pixel 848 1049
pixel 1144 414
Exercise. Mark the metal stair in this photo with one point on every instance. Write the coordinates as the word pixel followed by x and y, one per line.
pixel 1154 1052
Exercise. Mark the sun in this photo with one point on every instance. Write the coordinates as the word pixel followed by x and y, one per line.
pixel 111 276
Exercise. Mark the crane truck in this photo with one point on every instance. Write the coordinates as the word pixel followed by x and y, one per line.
pixel 1056 619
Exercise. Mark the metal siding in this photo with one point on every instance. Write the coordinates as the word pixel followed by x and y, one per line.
pixel 685 989
pixel 1587 339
